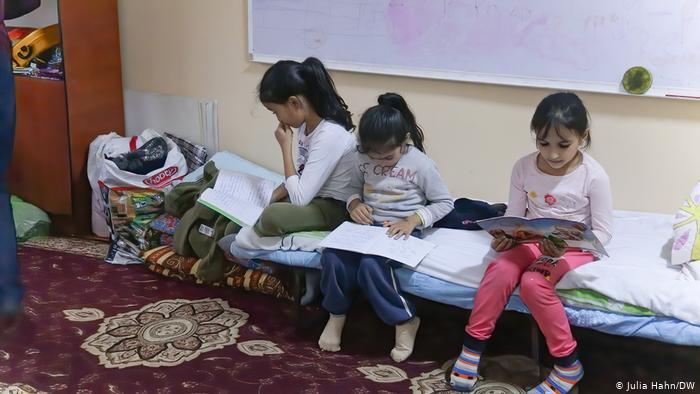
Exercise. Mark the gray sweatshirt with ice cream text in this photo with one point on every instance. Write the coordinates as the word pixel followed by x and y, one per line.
pixel 412 185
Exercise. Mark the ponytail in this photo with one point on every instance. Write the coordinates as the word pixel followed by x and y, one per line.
pixel 384 126
pixel 323 95
pixel 395 100
pixel 310 79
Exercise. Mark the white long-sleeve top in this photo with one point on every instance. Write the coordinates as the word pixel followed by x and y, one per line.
pixel 582 195
pixel 325 160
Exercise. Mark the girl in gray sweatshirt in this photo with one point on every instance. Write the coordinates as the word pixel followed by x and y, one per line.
pixel 396 186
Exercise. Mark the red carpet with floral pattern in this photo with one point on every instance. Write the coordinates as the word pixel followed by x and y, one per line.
pixel 93 327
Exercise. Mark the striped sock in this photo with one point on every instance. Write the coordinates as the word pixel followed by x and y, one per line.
pixel 464 373
pixel 560 380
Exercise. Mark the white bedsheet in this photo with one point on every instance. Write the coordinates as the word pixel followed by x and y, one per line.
pixel 638 271
pixel 306 241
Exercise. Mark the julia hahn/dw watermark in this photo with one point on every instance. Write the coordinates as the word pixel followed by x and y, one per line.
pixel 638 385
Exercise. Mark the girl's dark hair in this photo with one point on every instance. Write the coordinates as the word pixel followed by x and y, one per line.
pixel 310 79
pixel 564 109
pixel 384 126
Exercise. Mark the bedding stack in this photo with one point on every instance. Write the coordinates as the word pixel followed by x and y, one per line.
pixel 634 292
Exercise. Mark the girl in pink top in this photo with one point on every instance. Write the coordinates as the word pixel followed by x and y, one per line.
pixel 557 181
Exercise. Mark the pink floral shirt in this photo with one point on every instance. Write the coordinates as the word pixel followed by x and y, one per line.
pixel 582 195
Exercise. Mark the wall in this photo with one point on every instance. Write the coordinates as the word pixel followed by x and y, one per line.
pixel 45 15
pixel 474 132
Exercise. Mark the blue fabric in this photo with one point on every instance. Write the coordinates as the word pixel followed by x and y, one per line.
pixel 344 272
pixel 292 258
pixel 660 328
pixel 10 286
pixel 230 161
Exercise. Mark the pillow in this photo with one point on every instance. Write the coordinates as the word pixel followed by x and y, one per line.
pixel 164 261
pixel 230 161
pixel 686 237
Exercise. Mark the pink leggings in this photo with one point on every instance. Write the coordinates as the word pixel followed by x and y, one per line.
pixel 537 276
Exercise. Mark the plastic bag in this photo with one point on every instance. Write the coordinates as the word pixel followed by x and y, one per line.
pixel 131 210
pixel 104 174
pixel 30 221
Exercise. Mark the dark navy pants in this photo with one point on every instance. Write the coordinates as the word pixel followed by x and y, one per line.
pixel 343 272
pixel 10 286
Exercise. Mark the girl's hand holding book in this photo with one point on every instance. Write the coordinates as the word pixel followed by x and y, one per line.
pixel 502 243
pixel 552 249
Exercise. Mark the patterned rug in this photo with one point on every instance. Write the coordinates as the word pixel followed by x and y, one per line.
pixel 94 327
pixel 91 327
pixel 79 246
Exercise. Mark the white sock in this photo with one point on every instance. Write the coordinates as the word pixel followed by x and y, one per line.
pixel 405 338
pixel 330 338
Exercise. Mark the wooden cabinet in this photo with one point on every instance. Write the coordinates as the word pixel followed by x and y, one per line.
pixel 57 120
pixel 41 167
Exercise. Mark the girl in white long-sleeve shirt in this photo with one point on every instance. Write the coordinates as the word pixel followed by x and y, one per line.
pixel 303 96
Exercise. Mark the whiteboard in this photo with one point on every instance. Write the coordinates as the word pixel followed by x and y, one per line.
pixel 584 45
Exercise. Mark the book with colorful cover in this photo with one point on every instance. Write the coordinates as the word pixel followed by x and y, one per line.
pixel 563 233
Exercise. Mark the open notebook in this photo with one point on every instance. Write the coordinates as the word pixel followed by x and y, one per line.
pixel 374 240
pixel 238 196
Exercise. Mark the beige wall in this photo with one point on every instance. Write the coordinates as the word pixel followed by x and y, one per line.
pixel 474 132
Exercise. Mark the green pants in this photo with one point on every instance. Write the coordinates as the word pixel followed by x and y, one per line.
pixel 280 218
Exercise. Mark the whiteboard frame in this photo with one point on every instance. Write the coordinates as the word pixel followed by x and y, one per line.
pixel 482 78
